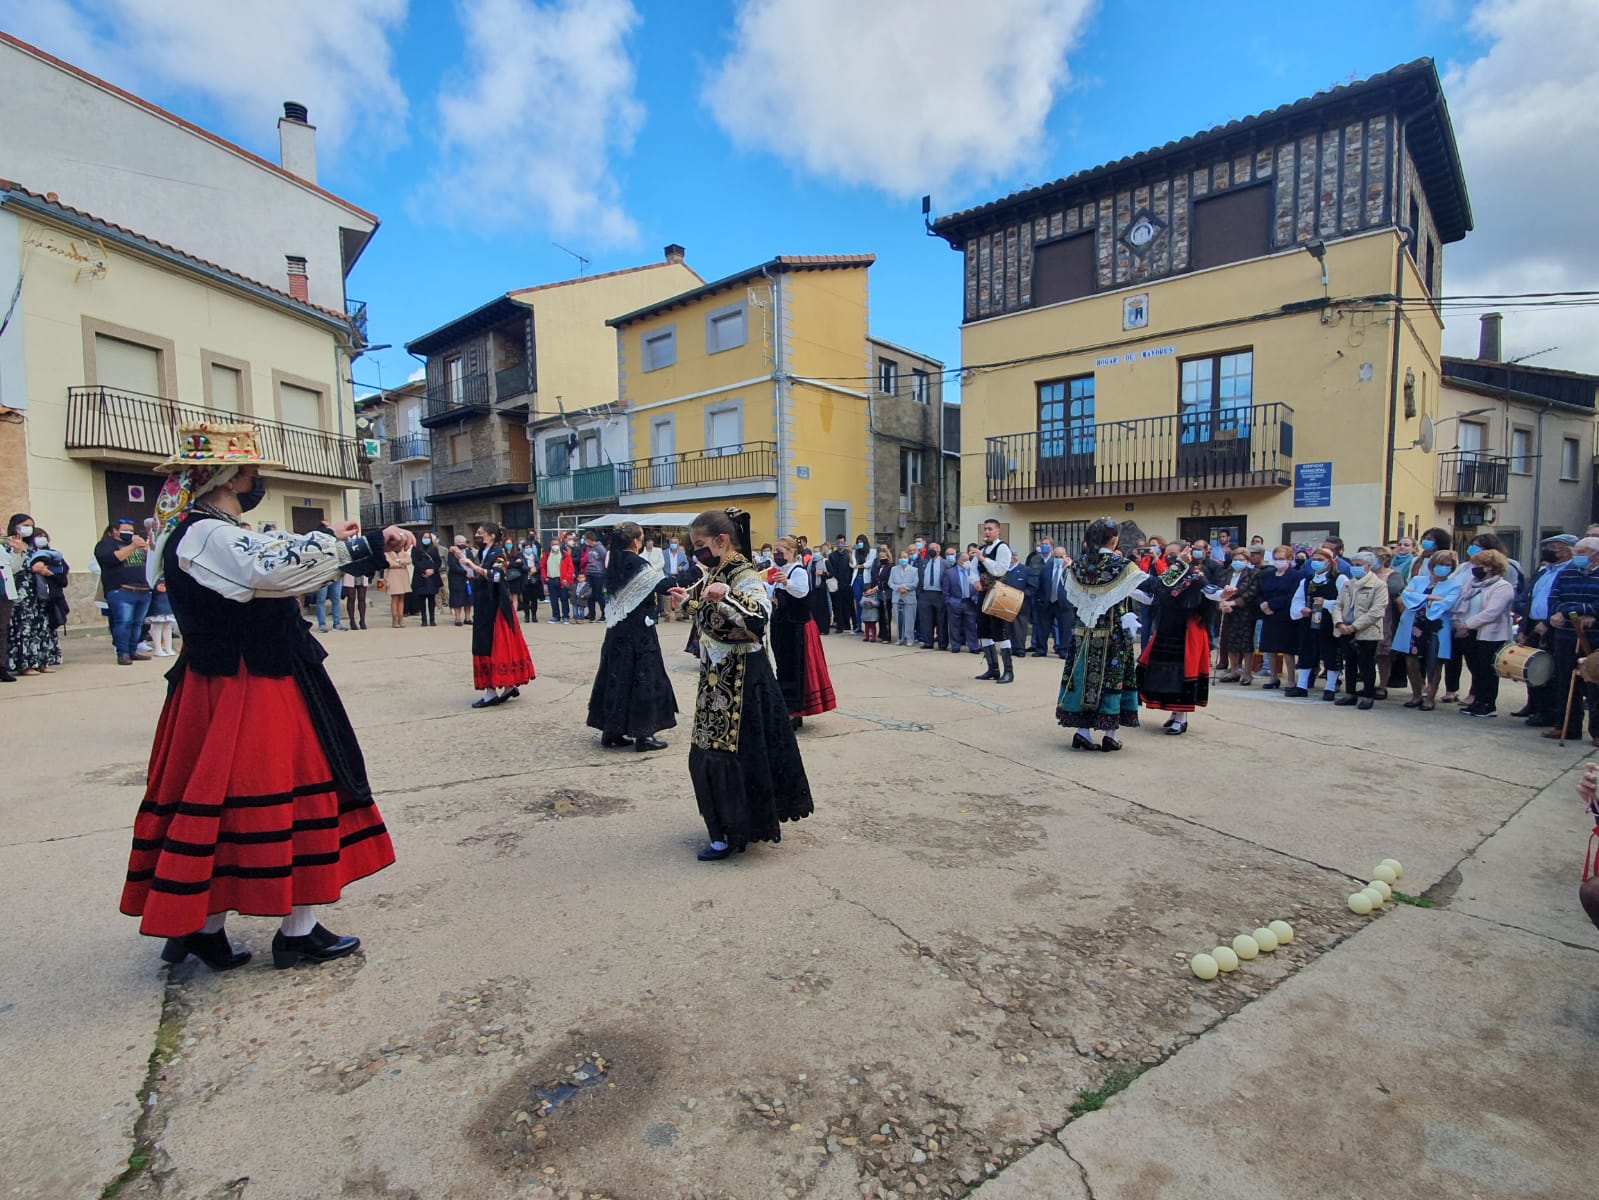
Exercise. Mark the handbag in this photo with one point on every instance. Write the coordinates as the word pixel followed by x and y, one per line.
pixel 832 584
pixel 381 583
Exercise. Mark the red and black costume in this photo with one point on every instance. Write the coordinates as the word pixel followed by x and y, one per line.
pixel 1174 672
pixel 500 657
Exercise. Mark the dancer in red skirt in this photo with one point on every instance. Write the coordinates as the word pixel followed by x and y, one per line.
pixel 796 645
pixel 500 661
pixel 257 798
pixel 1174 672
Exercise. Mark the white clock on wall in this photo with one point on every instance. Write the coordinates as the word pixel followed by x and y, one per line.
pixel 1141 233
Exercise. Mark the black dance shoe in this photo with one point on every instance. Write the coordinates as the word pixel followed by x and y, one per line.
pixel 612 740
pixel 1109 744
pixel 513 693
pixel 485 702
pixel 643 745
pixel 213 949
pixel 320 945
pixel 1081 741
pixel 711 854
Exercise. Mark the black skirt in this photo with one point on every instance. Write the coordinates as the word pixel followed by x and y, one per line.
pixel 632 693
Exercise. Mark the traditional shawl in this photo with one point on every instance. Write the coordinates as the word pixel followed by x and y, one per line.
pixel 630 579
pixel 1098 584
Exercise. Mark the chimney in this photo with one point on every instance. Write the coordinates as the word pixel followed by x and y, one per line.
pixel 299 282
pixel 674 253
pixel 1488 344
pixel 297 142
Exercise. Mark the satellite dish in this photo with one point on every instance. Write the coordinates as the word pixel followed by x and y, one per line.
pixel 1426 439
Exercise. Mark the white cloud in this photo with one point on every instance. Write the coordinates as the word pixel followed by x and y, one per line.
pixel 903 95
pixel 528 133
pixel 1526 115
pixel 334 56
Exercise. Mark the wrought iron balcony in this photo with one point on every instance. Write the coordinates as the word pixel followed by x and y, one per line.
pixel 1472 475
pixel 588 485
pixel 467 396
pixel 1201 450
pixel 104 422
pixel 395 512
pixel 512 383
pixel 356 310
pixel 732 466
pixel 408 447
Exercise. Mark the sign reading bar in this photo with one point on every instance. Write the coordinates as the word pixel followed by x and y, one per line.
pixel 1313 485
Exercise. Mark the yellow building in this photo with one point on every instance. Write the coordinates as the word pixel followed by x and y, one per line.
pixel 1230 332
pixel 752 390
pixel 116 339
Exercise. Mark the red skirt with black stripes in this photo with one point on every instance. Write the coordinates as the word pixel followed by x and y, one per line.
pixel 241 811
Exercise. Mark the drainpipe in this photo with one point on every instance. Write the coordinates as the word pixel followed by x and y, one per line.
pixel 1393 398
pixel 779 393
pixel 1537 493
pixel 340 348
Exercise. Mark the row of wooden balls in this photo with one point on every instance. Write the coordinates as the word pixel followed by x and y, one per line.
pixel 1380 890
pixel 1245 947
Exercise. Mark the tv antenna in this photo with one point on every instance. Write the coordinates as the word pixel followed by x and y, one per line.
pixel 582 263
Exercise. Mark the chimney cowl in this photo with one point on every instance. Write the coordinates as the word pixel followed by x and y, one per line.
pixel 293 110
pixel 675 253
pixel 1489 343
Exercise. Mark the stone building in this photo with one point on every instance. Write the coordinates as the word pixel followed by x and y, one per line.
pixel 906 398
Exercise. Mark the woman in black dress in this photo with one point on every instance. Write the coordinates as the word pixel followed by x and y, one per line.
pixel 426 567
pixel 500 661
pixel 632 696
pixel 796 645
pixel 458 571
pixel 745 764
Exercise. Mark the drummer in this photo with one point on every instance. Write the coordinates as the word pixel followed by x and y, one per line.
pixel 994 562
pixel 1483 614
pixel 1544 700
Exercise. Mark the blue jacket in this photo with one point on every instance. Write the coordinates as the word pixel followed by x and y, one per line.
pixel 1576 594
pixel 1439 602
pixel 952 586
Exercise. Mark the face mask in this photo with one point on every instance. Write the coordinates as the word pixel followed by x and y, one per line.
pixel 705 556
pixel 1358 571
pixel 949 558
pixel 24 531
pixel 125 538
pixel 1473 551
pixel 1580 561
pixel 860 545
pixel 920 546
pixel 904 562
pixel 674 545
pixel 1239 565
pixel 1548 556
pixel 1319 567
pixel 1479 572
pixel 427 541
pixel 1280 563
pixel 1429 545
pixel 779 557
pixel 1443 572
pixel 41 543
pixel 256 494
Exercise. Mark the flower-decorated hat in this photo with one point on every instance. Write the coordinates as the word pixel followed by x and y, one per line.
pixel 205 444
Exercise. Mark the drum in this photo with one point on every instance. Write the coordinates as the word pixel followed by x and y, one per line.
pixel 1532 666
pixel 1003 602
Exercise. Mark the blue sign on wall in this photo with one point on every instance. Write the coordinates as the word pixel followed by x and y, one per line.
pixel 1313 485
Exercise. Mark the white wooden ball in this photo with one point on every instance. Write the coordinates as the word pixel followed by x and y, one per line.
pixel 1265 939
pixel 1226 960
pixel 1283 930
pixel 1360 903
pixel 1385 873
pixel 1204 966
pixel 1245 947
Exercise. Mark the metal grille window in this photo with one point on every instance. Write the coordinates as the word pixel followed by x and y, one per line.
pixel 1069 534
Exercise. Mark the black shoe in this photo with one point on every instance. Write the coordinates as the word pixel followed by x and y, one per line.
pixel 487 702
pixel 1109 744
pixel 711 854
pixel 643 745
pixel 124 661
pixel 1006 676
pixel 1178 728
pixel 1542 722
pixel 213 949
pixel 513 693
pixel 612 740
pixel 1295 692
pixel 1329 694
pixel 1271 685
pixel 1345 701
pixel 1524 712
pixel 1038 654
pixel 1081 741
pixel 992 656
pixel 363 624
pixel 796 722
pixel 6 676
pixel 1365 704
pixel 318 946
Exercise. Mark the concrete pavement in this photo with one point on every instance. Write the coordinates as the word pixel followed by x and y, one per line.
pixel 904 998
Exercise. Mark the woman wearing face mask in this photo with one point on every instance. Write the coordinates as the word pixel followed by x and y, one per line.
pixel 632 695
pixel 796 646
pixel 397 584
pixel 1174 669
pixel 1487 623
pixel 257 799
pixel 902 587
pixel 1431 541
pixel 35 647
pixel 861 559
pixel 458 574
pixel 1280 633
pixel 1315 604
pixel 1099 686
pixel 1240 608
pixel 881 570
pixel 500 661
pixel 1425 636
pixel 1359 626
pixel 426 566
pixel 745 764
pixel 1463 635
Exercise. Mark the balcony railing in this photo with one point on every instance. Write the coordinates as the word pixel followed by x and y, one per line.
pixel 698 468
pixel 1200 450
pixel 1472 475
pixel 464 397
pixel 103 419
pixel 356 310
pixel 396 512
pixel 588 485
pixel 511 382
pixel 409 446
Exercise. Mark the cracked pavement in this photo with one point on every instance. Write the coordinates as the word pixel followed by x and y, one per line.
pixel 907 997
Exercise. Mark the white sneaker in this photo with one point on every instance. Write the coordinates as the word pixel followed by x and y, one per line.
pixel 145 647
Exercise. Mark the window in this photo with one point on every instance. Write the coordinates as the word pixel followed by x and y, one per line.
pixel 1415 229
pixel 1512 540
pixel 1521 451
pixel 460 449
pixel 921 387
pixel 419 491
pixel 227 388
pixel 1570 449
pixel 299 406
pixel 455 379
pixel 589 450
pixel 887 376
pixel 724 429
pixel 1232 226
pixel 1215 397
pixel 127 366
pixel 725 329
pixel 518 514
pixel 413 418
pixel 1473 436
pixel 1064 269
pixel 910 471
pixel 660 349
pixel 557 457
pixel 1428 275
pixel 1066 420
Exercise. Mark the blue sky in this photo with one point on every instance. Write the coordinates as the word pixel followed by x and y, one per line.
pixel 481 131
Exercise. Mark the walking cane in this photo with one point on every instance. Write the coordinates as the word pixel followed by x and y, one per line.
pixel 1571 699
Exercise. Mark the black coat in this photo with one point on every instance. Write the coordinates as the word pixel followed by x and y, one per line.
pixel 423 560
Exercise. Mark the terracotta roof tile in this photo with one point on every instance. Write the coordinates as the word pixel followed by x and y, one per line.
pixel 783 262
pixel 542 287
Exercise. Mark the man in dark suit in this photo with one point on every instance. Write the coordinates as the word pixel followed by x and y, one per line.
pixel 932 618
pixel 841 597
pixel 960 604
pixel 1053 615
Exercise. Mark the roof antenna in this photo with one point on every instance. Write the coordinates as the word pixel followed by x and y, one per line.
pixel 582 262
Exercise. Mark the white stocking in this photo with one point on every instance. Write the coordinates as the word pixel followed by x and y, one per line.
pixel 1304 679
pixel 1332 681
pixel 300 921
